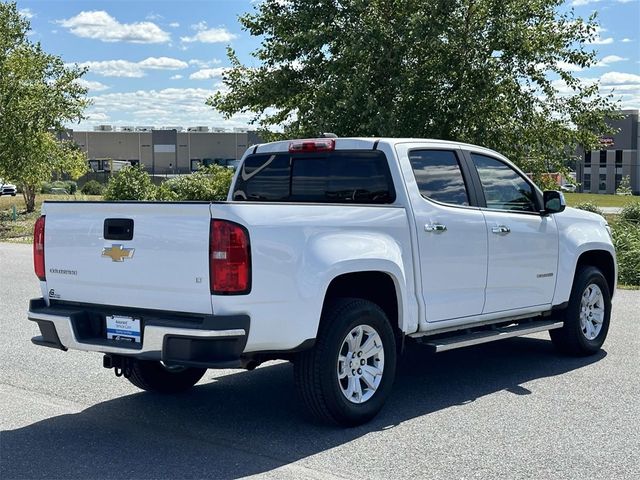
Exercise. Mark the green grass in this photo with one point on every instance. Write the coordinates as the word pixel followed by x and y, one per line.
pixel 600 200
pixel 21 230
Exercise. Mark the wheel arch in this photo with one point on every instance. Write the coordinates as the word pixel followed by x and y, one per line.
pixel 376 286
pixel 603 261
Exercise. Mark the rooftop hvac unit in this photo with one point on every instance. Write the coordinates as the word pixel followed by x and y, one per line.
pixel 218 129
pixel 240 129
pixel 144 129
pixel 199 129
pixel 103 128
pixel 127 129
pixel 177 129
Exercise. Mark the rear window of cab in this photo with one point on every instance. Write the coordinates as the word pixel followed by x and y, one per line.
pixel 359 177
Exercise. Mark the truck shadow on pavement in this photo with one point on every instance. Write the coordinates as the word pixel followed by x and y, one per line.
pixel 250 422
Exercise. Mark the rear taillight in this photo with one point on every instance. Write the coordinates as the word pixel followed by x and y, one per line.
pixel 312 145
pixel 38 248
pixel 229 258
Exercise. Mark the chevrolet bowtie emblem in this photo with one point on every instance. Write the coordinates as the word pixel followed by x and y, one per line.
pixel 117 253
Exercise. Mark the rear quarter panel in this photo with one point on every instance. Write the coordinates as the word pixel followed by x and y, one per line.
pixel 298 249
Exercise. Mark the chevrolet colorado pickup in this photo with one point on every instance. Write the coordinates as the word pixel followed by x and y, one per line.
pixel 329 253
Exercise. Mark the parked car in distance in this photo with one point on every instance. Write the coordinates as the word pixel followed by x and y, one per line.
pixel 568 187
pixel 7 189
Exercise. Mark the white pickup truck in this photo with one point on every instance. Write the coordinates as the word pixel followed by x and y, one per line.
pixel 330 253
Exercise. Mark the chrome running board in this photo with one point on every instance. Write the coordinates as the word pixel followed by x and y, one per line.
pixel 486 336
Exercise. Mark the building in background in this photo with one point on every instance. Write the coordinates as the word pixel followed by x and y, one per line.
pixel 601 171
pixel 162 151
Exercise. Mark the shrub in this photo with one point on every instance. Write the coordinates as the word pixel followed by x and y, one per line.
pixel 631 213
pixel 590 207
pixel 626 239
pixel 92 187
pixel 71 187
pixel 130 183
pixel 208 183
pixel 165 194
pixel 68 187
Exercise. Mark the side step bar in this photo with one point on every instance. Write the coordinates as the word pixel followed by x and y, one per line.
pixel 486 336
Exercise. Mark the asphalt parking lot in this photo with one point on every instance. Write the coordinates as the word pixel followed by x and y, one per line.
pixel 513 409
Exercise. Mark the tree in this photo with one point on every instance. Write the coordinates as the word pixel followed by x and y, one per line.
pixel 40 158
pixel 470 70
pixel 38 95
pixel 625 186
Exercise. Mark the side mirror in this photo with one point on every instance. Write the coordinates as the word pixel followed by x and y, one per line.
pixel 553 202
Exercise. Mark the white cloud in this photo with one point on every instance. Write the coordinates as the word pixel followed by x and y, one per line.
pixel 626 40
pixel 579 3
pixel 97 117
pixel 127 69
pixel 207 73
pixel 163 63
pixel 619 78
pixel 154 16
pixel 92 85
pixel 609 59
pixel 204 63
pixel 598 40
pixel 603 41
pixel 569 67
pixel 176 77
pixel 99 25
pixel 26 13
pixel 170 106
pixel 625 87
pixel 174 24
pixel 115 68
pixel 204 34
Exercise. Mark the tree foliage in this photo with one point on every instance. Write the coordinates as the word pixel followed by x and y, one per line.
pixel 469 70
pixel 38 95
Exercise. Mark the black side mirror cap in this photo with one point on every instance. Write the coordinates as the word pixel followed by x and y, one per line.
pixel 554 202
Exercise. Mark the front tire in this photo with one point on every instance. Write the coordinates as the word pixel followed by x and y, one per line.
pixel 348 375
pixel 587 317
pixel 157 377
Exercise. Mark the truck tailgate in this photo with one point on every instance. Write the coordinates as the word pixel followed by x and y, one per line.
pixel 164 266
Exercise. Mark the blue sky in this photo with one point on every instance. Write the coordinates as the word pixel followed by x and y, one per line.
pixel 155 62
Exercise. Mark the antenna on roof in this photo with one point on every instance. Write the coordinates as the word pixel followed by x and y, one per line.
pixel 328 135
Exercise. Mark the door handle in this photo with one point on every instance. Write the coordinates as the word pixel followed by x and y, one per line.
pixel 501 230
pixel 435 227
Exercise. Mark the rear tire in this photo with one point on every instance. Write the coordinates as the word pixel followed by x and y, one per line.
pixel 347 376
pixel 154 376
pixel 587 317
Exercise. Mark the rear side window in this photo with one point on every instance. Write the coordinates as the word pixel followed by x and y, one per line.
pixel 439 176
pixel 334 177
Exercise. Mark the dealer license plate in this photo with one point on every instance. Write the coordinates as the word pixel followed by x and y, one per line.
pixel 121 328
